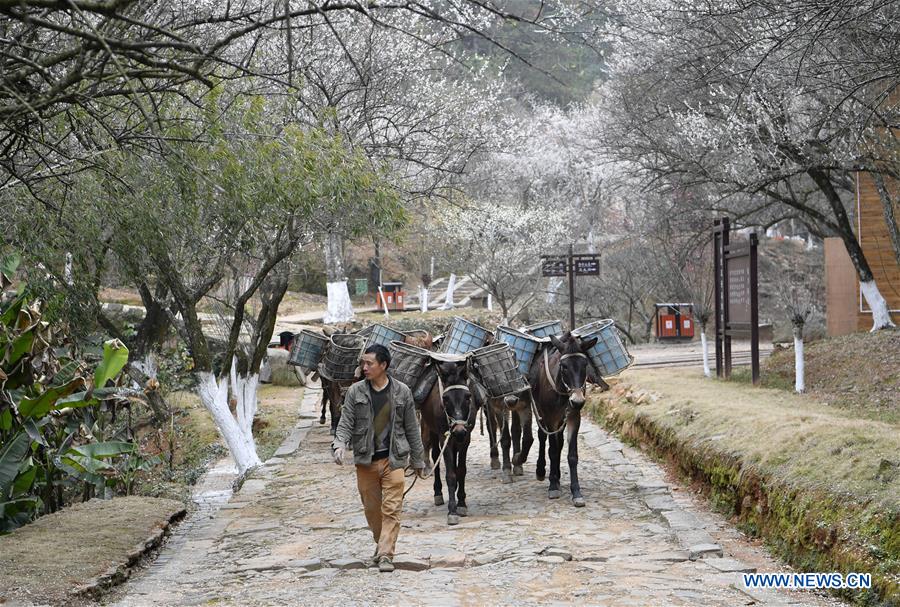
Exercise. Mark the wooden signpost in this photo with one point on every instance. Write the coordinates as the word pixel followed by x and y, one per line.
pixel 571 265
pixel 737 297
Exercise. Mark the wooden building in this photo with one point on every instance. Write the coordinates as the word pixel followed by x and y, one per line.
pixel 846 310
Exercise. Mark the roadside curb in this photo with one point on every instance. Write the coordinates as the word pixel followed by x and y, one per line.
pixel 117 574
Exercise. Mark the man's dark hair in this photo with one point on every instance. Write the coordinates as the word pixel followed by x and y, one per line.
pixel 381 354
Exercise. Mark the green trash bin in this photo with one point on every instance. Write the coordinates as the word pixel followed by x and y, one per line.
pixel 362 286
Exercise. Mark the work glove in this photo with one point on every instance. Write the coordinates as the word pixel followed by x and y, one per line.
pixel 338 455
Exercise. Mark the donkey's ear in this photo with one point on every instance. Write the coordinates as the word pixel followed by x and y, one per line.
pixel 557 343
pixel 587 344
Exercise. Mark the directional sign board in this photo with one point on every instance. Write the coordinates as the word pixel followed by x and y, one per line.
pixel 553 266
pixel 587 265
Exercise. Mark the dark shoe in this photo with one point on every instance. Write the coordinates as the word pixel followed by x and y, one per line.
pixel 385 565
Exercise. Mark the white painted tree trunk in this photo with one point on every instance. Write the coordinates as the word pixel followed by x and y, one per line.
pixel 245 389
pixel 214 396
pixel 340 309
pixel 799 369
pixel 490 302
pixel 148 366
pixel 384 302
pixel 704 345
pixel 553 287
pixel 68 273
pixel 451 286
pixel 423 298
pixel 881 316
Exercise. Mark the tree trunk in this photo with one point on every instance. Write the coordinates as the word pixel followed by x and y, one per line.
pixel 553 286
pixel 890 219
pixel 799 380
pixel 451 287
pixel 244 390
pixel 704 344
pixel 881 315
pixel 214 396
pixel 340 309
pixel 504 309
pixel 423 298
pixel 68 272
pixel 155 324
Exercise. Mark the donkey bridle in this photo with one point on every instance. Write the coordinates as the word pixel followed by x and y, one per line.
pixel 450 421
pixel 534 407
pixel 569 389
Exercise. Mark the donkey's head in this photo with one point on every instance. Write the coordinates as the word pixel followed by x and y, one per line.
pixel 456 398
pixel 573 365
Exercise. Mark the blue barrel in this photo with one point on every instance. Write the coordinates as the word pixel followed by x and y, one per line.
pixel 608 354
pixel 545 329
pixel 383 335
pixel 523 346
pixel 463 337
pixel 307 349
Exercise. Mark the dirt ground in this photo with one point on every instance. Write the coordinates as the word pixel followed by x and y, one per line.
pixel 43 561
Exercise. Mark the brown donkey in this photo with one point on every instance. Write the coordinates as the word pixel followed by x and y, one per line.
pixel 448 417
pixel 557 377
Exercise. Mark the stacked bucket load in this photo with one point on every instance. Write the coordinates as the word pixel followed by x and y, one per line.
pixel 336 357
pixel 608 356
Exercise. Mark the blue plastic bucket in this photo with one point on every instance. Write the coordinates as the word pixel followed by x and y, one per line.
pixel 608 354
pixel 307 349
pixel 544 329
pixel 383 335
pixel 523 346
pixel 463 337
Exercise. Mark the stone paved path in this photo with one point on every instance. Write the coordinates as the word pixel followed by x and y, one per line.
pixel 295 535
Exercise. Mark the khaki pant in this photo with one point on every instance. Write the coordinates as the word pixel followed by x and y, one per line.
pixel 381 490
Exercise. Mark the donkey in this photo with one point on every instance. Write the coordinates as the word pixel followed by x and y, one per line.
pixel 557 377
pixel 333 392
pixel 448 417
pixel 512 417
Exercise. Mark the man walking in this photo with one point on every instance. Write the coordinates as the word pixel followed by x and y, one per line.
pixel 378 422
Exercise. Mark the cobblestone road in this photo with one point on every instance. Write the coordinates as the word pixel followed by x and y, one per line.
pixel 295 535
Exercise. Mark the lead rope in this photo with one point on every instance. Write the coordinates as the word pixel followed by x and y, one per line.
pixel 433 465
pixel 446 434
pixel 534 408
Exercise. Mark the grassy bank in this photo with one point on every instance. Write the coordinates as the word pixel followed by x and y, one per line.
pixel 818 482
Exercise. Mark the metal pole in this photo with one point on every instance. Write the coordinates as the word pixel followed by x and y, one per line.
pixel 571 266
pixel 717 276
pixel 726 319
pixel 754 311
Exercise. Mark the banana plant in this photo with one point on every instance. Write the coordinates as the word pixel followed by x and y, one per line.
pixel 52 415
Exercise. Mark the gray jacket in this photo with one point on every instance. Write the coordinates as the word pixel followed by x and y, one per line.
pixel 355 430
